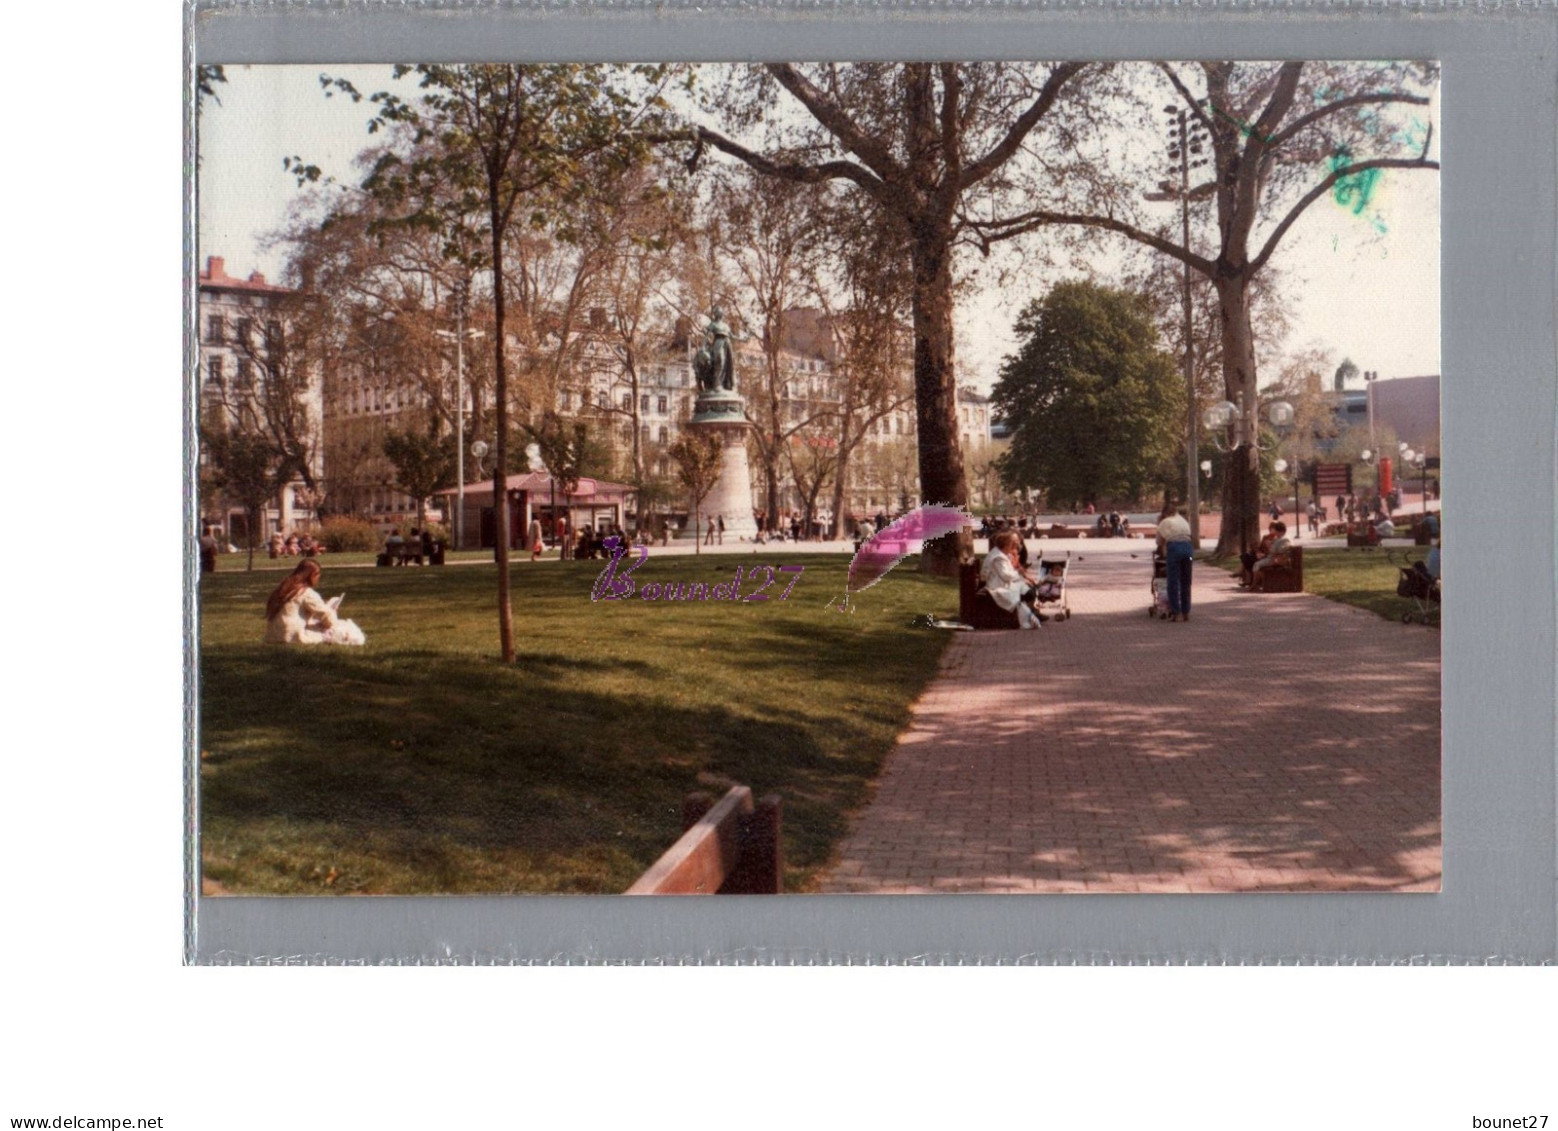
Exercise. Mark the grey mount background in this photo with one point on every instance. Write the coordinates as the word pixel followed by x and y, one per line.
pixel 1500 338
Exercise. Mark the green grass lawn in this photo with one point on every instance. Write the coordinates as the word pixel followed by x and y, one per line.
pixel 420 764
pixel 1365 579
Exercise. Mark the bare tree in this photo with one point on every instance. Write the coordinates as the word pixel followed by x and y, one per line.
pixel 931 144
pixel 768 233
pixel 488 139
pixel 697 458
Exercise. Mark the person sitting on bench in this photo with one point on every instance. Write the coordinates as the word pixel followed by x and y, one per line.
pixel 1010 586
pixel 1277 545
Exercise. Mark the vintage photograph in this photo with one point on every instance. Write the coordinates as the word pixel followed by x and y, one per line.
pixel 817 478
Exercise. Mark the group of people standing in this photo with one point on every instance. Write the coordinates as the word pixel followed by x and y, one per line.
pixel 585 545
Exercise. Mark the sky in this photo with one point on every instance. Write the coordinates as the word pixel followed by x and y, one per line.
pixel 1360 293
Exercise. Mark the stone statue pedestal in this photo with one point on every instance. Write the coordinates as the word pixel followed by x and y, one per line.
pixel 722 413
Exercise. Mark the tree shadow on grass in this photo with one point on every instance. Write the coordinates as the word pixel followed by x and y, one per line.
pixel 451 775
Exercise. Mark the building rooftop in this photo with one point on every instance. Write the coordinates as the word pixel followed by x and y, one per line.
pixel 215 277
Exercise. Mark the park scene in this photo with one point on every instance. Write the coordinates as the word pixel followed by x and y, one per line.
pixel 826 478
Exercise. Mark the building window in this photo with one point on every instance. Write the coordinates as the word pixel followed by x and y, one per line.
pixel 216 328
pixel 643 403
pixel 660 405
pixel 643 433
pixel 274 343
pixel 665 434
pixel 245 331
pixel 564 400
pixel 627 402
pixel 214 372
pixel 245 372
pixel 600 398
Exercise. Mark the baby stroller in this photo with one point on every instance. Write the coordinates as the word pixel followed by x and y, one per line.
pixel 1160 599
pixel 1051 589
pixel 1421 588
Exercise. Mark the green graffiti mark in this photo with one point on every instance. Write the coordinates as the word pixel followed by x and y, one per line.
pixel 1354 190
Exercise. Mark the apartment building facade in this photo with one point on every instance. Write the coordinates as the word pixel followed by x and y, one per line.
pixel 241 330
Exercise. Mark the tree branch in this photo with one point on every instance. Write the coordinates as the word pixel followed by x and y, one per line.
pixel 836 122
pixel 1007 146
pixel 1322 188
pixel 794 171
pixel 1281 101
pixel 1302 123
pixel 1030 221
pixel 951 92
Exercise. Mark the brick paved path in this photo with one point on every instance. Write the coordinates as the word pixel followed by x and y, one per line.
pixel 1271 743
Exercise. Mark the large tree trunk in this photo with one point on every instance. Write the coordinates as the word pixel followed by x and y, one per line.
pixel 838 491
pixel 942 480
pixel 772 493
pixel 1241 486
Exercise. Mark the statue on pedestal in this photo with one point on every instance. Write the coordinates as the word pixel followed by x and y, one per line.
pixel 715 363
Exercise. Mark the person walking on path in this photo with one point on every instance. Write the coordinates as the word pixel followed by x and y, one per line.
pixel 719 528
pixel 1175 540
pixel 534 537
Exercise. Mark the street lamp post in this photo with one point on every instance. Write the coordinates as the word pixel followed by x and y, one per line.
pixel 461 297
pixel 1186 137
pixel 1282 467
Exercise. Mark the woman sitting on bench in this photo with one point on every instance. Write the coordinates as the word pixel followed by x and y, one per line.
pixel 1275 544
pixel 1010 586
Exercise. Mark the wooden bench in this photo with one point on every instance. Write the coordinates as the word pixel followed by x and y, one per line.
pixel 728 848
pixel 975 605
pixel 1285 575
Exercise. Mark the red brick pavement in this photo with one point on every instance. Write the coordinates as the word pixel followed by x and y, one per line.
pixel 1270 743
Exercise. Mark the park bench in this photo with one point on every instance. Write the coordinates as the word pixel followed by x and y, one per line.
pixel 728 848
pixel 975 605
pixel 409 552
pixel 1285 575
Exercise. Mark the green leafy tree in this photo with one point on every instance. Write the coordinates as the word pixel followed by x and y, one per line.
pixel 1095 405
pixel 697 459
pixel 423 461
pixel 247 467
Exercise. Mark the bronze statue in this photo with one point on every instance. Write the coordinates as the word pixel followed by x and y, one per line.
pixel 715 363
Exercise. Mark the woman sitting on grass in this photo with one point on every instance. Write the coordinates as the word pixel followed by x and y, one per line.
pixel 297 614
